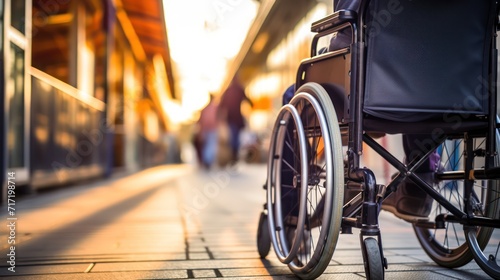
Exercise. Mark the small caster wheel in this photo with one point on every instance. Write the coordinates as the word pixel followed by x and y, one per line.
pixel 374 267
pixel 263 237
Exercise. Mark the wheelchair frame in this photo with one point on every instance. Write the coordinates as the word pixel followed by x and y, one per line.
pixel 362 211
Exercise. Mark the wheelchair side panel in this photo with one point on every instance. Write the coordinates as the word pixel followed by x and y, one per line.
pixel 330 70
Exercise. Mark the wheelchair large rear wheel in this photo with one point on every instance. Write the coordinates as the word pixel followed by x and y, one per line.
pixel 484 242
pixel 446 244
pixel 307 177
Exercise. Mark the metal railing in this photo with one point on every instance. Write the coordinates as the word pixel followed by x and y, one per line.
pixel 68 132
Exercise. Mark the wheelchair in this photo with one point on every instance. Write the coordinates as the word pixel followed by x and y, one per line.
pixel 412 67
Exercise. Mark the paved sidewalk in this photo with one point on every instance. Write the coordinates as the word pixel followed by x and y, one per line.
pixel 174 222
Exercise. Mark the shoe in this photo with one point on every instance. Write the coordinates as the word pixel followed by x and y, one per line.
pixel 409 202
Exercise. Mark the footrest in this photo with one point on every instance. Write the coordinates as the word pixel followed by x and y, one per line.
pixel 491 173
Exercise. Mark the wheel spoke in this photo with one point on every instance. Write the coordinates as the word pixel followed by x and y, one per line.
pixel 451 246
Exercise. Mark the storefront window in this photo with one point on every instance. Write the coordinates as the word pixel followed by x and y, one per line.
pixel 51 39
pixel 18 15
pixel 15 101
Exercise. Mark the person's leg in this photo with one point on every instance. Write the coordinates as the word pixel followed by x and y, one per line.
pixel 415 146
pixel 409 202
pixel 288 94
pixel 234 131
pixel 198 147
pixel 209 148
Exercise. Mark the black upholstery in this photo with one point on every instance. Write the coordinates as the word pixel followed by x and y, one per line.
pixel 426 58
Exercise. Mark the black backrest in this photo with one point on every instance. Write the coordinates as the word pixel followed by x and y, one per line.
pixel 427 57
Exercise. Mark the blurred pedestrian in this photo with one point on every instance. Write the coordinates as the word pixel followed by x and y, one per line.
pixel 230 111
pixel 206 138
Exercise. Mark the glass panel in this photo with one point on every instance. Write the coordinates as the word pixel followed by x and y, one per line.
pixel 1 27
pixel 18 14
pixel 15 101
pixel 51 36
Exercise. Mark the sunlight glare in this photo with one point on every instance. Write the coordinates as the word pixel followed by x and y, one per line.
pixel 204 36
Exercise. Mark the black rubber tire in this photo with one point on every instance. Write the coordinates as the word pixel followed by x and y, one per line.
pixel 374 267
pixel 263 237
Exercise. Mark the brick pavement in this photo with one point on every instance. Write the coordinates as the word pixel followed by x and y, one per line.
pixel 174 222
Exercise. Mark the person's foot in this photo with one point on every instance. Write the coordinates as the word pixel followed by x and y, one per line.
pixel 409 202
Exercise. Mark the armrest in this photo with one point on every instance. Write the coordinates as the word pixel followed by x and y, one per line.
pixel 333 20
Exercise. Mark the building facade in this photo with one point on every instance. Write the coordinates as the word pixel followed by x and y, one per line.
pixel 81 89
